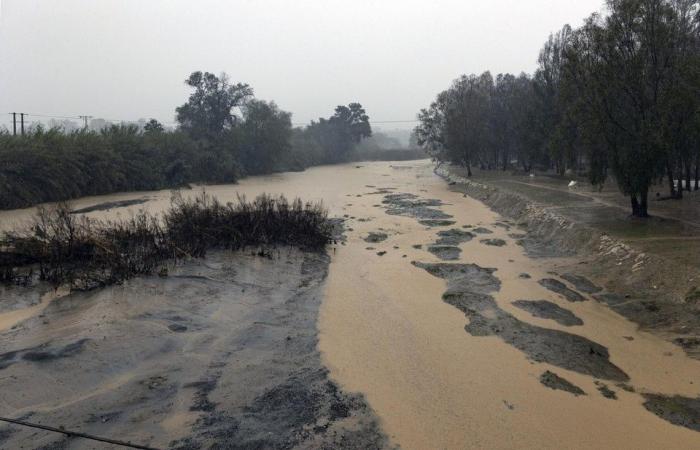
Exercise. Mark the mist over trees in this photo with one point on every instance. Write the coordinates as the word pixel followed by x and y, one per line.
pixel 224 133
pixel 617 98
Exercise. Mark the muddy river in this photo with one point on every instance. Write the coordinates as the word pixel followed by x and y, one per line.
pixel 433 327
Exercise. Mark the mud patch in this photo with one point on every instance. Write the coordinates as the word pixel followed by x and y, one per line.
pixel 376 236
pixel 468 289
pixel 493 242
pixel 435 223
pixel 561 289
pixel 554 381
pixel 453 237
pixel 581 283
pixel 42 353
pixel 445 252
pixel 410 205
pixel 548 310
pixel 605 391
pixel 681 411
pixel 110 205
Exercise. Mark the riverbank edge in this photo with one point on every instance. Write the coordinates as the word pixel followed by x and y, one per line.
pixel 639 285
pixel 392 156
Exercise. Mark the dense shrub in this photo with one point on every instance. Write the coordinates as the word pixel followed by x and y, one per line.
pixel 64 248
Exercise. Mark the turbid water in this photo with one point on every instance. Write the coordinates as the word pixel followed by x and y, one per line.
pixel 435 314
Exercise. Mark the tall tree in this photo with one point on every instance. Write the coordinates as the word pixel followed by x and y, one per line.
pixel 211 108
pixel 266 134
pixel 623 66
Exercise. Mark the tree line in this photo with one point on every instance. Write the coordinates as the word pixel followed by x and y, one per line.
pixel 618 97
pixel 223 133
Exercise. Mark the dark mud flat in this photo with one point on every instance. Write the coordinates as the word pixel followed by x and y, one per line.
pixel 554 381
pixel 468 289
pixel 605 391
pixel 221 354
pixel 678 410
pixel 376 237
pixel 445 252
pixel 110 205
pixel 493 242
pixel 453 237
pixel 446 246
pixel 581 283
pixel 548 310
pixel 411 205
pixel 436 223
pixel 561 289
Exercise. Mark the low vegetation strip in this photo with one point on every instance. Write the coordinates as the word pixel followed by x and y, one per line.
pixel 62 248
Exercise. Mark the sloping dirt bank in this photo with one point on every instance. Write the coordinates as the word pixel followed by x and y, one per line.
pixel 653 291
pixel 221 353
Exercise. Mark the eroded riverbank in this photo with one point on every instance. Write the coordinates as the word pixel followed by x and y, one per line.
pixel 431 311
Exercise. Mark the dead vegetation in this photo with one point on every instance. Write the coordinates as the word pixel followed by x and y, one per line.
pixel 62 248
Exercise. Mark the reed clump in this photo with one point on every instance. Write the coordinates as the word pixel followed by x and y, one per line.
pixel 64 248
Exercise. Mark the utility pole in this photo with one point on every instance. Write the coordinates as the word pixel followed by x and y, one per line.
pixel 14 124
pixel 85 120
pixel 21 119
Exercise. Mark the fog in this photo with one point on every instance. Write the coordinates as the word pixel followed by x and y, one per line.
pixel 124 60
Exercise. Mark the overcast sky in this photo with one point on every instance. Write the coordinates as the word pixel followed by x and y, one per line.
pixel 126 59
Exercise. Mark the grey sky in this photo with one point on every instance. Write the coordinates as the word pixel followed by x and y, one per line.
pixel 127 59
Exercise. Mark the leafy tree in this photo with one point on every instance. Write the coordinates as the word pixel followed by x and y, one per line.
pixel 339 134
pixel 153 126
pixel 210 109
pixel 624 67
pixel 619 96
pixel 266 136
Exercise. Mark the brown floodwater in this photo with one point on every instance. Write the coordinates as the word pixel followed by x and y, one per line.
pixel 385 331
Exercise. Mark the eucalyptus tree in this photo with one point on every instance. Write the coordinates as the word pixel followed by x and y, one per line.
pixel 265 136
pixel 430 132
pixel 339 134
pixel 623 66
pixel 466 116
pixel 682 99
pixel 212 107
pixel 555 124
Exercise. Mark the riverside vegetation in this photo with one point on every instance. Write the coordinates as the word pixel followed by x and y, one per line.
pixel 224 133
pixel 615 98
pixel 63 248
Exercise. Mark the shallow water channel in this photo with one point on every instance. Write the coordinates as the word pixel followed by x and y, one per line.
pixel 430 310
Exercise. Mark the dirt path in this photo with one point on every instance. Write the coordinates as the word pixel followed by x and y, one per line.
pixel 599 201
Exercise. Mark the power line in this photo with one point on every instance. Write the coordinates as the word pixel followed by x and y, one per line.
pixel 84 118
pixel 53 117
